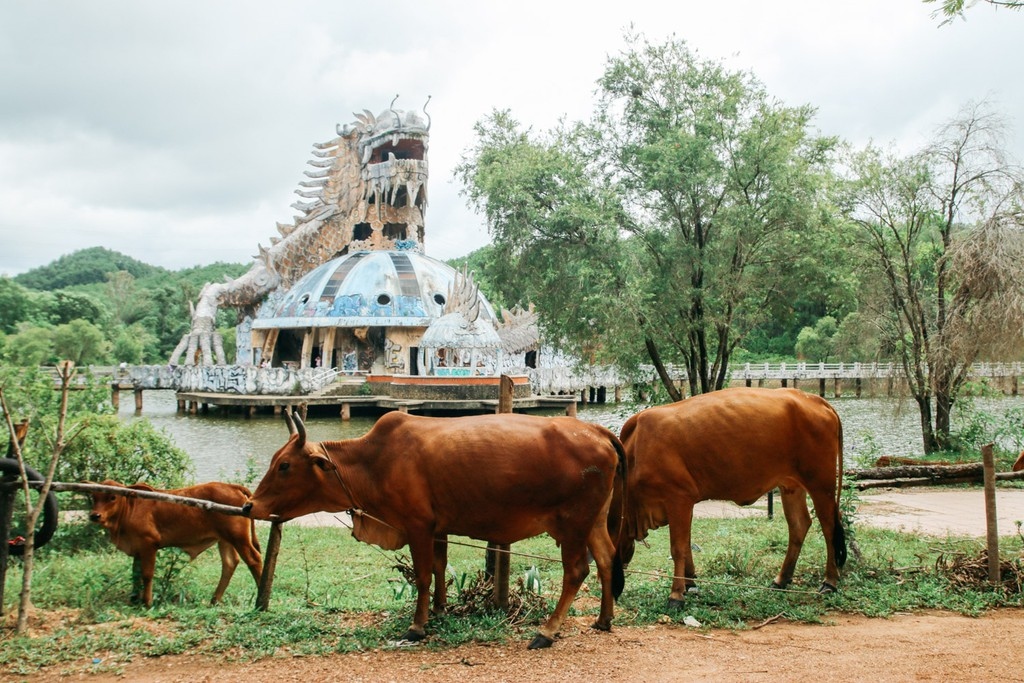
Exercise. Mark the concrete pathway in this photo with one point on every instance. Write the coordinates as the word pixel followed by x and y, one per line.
pixel 935 511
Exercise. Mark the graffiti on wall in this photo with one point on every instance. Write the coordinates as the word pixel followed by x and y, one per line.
pixel 394 361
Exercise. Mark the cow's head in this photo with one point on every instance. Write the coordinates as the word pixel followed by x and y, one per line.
pixel 298 479
pixel 107 507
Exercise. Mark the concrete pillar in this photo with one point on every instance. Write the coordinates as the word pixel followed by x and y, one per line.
pixel 346 412
pixel 138 400
pixel 306 360
pixel 821 387
pixel 838 390
pixel 115 396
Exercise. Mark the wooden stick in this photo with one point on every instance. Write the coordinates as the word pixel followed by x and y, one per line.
pixel 991 520
pixel 269 566
pixel 139 493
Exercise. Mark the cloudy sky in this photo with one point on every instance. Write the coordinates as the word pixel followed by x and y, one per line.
pixel 177 132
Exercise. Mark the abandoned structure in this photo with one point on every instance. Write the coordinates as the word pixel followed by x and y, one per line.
pixel 345 302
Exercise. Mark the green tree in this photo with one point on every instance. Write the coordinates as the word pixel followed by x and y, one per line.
pixel 944 234
pixel 127 303
pixel 30 346
pixel 69 306
pixel 14 304
pixel 130 344
pixel 167 319
pixel 817 343
pixel 83 267
pixel 80 341
pixel 684 210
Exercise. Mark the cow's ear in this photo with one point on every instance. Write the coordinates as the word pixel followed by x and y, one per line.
pixel 323 462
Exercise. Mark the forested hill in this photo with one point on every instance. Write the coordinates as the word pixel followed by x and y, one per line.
pixel 84 267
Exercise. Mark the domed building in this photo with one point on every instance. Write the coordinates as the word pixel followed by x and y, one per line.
pixel 368 312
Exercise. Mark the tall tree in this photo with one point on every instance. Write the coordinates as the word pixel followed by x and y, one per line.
pixel 944 229
pixel 682 210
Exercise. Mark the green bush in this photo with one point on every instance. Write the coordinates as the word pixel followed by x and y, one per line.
pixel 110 449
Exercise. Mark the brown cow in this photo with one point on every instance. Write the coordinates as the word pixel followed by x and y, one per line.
pixel 141 526
pixel 498 478
pixel 1018 465
pixel 733 444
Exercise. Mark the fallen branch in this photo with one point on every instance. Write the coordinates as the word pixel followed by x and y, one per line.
pixel 923 475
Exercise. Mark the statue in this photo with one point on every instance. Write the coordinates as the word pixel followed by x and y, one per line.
pixel 368 190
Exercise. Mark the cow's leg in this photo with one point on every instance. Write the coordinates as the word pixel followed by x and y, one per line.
pixel 680 522
pixel 440 567
pixel 252 557
pixel 601 547
pixel 136 594
pixel 228 562
pixel 798 519
pixel 827 510
pixel 574 570
pixel 421 547
pixel 147 567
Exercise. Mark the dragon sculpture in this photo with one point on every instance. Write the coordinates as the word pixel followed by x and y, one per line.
pixel 367 190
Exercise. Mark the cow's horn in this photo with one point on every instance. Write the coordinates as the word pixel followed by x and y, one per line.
pixel 288 421
pixel 300 428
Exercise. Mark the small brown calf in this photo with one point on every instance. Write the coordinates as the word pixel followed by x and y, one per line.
pixel 140 526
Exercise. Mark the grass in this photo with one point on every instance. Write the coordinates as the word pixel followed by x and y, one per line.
pixel 334 594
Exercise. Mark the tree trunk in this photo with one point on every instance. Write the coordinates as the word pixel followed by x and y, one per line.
pixel 943 408
pixel 666 380
pixel 929 442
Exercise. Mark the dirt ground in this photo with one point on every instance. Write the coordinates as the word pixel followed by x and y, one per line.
pixel 907 647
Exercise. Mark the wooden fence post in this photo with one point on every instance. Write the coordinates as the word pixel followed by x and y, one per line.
pixel 269 565
pixel 497 560
pixel 991 519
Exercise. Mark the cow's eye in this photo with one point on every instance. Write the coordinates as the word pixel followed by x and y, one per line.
pixel 283 467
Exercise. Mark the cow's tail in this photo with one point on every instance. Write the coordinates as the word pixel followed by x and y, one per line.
pixel 838 533
pixel 617 518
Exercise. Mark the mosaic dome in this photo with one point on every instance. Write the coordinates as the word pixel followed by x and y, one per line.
pixel 367 288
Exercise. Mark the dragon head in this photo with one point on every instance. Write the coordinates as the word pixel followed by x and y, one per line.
pixel 392 148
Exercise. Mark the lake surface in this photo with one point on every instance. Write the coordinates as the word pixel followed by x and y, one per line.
pixel 225 446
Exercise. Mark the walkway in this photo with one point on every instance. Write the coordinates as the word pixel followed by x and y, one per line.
pixel 935 511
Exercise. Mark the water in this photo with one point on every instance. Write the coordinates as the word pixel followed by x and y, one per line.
pixel 225 446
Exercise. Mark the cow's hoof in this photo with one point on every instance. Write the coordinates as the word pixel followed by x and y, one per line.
pixel 601 626
pixel 776 586
pixel 540 641
pixel 692 590
pixel 414 636
pixel 826 588
pixel 675 604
